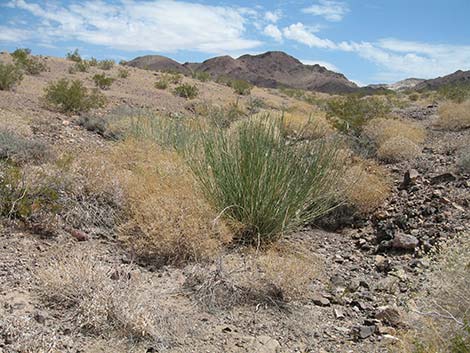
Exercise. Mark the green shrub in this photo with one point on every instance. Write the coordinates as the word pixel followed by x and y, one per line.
pixel 25 197
pixel 79 66
pixel 187 91
pixel 241 87
pixel 201 76
pixel 349 114
pixel 102 81
pixel 21 150
pixel 9 76
pixel 457 92
pixel 172 77
pixel 123 73
pixel 123 62
pixel 161 84
pixel 414 97
pixel 106 64
pixel 72 97
pixel 30 65
pixel 264 185
pixel 74 56
pixel 93 61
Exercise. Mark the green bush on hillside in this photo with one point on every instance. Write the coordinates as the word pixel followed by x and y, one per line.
pixel 186 91
pixel 241 87
pixel 201 76
pixel 74 56
pixel 102 81
pixel 28 64
pixel 106 64
pixel 264 185
pixel 72 97
pixel 79 66
pixel 9 76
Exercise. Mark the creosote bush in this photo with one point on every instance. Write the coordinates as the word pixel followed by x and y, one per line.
pixel 454 116
pixel 161 84
pixel 123 73
pixel 74 56
pixel 102 81
pixel 26 62
pixel 10 75
pixel 261 183
pixel 186 91
pixel 79 66
pixel 201 76
pixel 241 87
pixel 72 96
pixel 105 64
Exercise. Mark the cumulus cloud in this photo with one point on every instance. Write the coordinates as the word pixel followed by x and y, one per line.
pixel 330 10
pixel 273 16
pixel 274 32
pixel 303 34
pixel 157 25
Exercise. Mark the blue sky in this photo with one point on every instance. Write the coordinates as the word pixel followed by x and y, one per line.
pixel 370 41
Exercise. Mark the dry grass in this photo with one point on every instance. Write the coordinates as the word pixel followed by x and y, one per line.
pixel 104 300
pixel 382 130
pixel 306 127
pixel 441 321
pixel 167 220
pixel 398 149
pixel 369 186
pixel 274 276
pixel 454 116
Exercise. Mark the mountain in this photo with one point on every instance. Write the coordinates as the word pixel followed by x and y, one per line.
pixel 408 83
pixel 458 77
pixel 158 63
pixel 272 69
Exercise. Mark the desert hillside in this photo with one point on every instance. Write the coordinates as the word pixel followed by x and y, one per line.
pixel 155 209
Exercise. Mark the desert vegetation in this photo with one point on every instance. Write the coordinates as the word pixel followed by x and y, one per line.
pixel 454 116
pixel 10 75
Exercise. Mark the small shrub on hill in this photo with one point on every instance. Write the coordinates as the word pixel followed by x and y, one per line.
pixel 102 81
pixel 382 129
pixel 349 114
pixel 106 64
pixel 72 97
pixel 201 76
pixel 123 73
pixel 454 116
pixel 93 61
pixel 26 62
pixel 241 87
pixel 255 179
pixel 22 150
pixel 74 56
pixel 302 127
pixel 186 91
pixel 161 84
pixel 79 66
pixel 457 93
pixel 10 75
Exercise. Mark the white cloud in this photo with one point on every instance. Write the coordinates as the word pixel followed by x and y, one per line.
pixel 273 32
pixel 330 10
pixel 326 64
pixel 157 25
pixel 13 35
pixel 303 34
pixel 273 16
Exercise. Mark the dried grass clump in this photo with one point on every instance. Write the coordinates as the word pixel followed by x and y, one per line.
pixel 454 116
pixel 367 186
pixel 101 299
pixel 398 149
pixel 168 220
pixel 441 321
pixel 382 130
pixel 306 127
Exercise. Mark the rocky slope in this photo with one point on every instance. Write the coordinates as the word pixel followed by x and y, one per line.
pixel 271 69
pixel 158 63
pixel 458 77
pixel 408 83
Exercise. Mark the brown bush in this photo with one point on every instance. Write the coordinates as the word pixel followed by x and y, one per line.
pixel 382 130
pixel 168 221
pixel 454 116
pixel 398 149
pixel 306 127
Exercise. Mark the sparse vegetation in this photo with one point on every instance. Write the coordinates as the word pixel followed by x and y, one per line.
pixel 102 81
pixel 74 56
pixel 187 91
pixel 79 66
pixel 72 97
pixel 21 150
pixel 241 87
pixel 288 187
pixel 10 75
pixel 457 93
pixel 161 84
pixel 397 149
pixel 105 64
pixel 123 73
pixel 26 62
pixel 464 159
pixel 382 129
pixel 93 61
pixel 454 116
pixel 201 76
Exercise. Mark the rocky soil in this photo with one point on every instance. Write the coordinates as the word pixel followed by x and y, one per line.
pixel 371 271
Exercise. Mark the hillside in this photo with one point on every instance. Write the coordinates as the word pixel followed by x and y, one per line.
pixel 456 78
pixel 147 219
pixel 271 70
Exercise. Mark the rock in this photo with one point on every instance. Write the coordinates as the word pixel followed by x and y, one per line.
pixel 404 242
pixel 382 264
pixel 320 300
pixel 443 178
pixel 389 339
pixel 264 344
pixel 339 314
pixel 77 234
pixel 390 315
pixel 363 331
pixel 410 177
pixel 40 317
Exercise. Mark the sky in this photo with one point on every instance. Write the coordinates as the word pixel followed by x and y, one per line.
pixel 370 41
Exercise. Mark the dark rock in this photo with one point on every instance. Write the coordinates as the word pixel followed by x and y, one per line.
pixel 390 315
pixel 443 178
pixel 363 332
pixel 404 242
